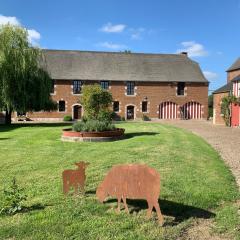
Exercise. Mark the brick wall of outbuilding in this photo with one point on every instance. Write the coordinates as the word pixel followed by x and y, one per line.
pixel 155 93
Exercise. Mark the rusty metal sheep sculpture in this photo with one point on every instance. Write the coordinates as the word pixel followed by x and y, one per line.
pixel 74 178
pixel 132 181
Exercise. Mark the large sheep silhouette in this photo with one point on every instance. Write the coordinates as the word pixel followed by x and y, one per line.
pixel 132 181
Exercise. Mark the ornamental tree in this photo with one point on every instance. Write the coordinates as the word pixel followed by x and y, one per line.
pixel 24 83
pixel 96 102
pixel 226 108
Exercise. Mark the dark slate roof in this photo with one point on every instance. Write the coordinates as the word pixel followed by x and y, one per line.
pixel 237 78
pixel 117 66
pixel 226 88
pixel 235 66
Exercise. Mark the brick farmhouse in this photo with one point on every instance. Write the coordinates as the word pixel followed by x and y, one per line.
pixel 231 88
pixel 161 86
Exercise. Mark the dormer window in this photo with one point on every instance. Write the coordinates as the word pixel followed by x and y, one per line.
pixel 104 85
pixel 181 88
pixel 77 86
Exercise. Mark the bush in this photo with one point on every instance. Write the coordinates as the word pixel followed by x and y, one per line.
pixel 67 118
pixel 123 119
pixel 210 112
pixel 95 101
pixel 145 118
pixel 14 198
pixel 105 116
pixel 78 126
pixel 93 126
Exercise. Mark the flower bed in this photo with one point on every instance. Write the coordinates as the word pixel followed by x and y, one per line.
pixel 72 136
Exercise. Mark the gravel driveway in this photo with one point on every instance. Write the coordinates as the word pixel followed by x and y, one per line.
pixel 224 139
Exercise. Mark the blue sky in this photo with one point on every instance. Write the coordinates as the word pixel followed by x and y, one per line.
pixel 207 29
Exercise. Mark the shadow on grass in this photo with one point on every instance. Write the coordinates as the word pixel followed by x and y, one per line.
pixel 179 211
pixel 1 139
pixel 34 207
pixel 138 134
pixel 5 128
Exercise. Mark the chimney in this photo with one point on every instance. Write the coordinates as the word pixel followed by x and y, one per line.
pixel 184 53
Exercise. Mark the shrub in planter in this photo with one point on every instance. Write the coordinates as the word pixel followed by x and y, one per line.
pixel 98 117
pixel 93 126
pixel 145 118
pixel 116 117
pixel 105 116
pixel 78 126
pixel 67 118
pixel 95 101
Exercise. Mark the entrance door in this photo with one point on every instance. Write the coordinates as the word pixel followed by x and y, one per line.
pixel 130 112
pixel 77 112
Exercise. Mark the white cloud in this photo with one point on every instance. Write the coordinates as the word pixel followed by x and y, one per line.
pixel 210 75
pixel 10 20
pixel 113 46
pixel 110 28
pixel 193 48
pixel 33 35
pixel 136 34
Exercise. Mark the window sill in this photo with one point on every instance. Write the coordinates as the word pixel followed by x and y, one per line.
pixel 134 95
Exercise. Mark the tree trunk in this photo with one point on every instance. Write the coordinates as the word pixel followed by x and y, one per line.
pixel 8 117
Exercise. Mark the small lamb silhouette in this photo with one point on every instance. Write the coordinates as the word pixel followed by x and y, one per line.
pixel 74 178
pixel 133 181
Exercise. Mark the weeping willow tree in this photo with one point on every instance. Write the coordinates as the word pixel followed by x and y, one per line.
pixel 24 84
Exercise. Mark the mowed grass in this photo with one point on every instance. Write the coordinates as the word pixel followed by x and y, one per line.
pixel 194 183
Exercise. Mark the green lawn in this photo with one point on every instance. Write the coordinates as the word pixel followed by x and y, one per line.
pixel 195 183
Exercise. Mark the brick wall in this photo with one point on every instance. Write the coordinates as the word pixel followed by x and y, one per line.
pixel 231 75
pixel 217 117
pixel 155 93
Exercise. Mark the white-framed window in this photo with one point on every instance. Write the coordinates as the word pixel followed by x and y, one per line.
pixel 116 106
pixel 61 106
pixel 77 86
pixel 104 85
pixel 144 106
pixel 130 88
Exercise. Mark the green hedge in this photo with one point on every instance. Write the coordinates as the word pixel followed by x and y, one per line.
pixel 93 126
pixel 67 118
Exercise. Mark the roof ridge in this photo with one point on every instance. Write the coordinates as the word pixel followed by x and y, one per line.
pixel 109 52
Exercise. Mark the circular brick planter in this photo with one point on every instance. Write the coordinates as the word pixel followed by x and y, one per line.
pixel 72 136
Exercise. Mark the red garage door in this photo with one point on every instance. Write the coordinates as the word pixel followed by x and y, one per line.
pixel 235 115
pixel 168 110
pixel 191 110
